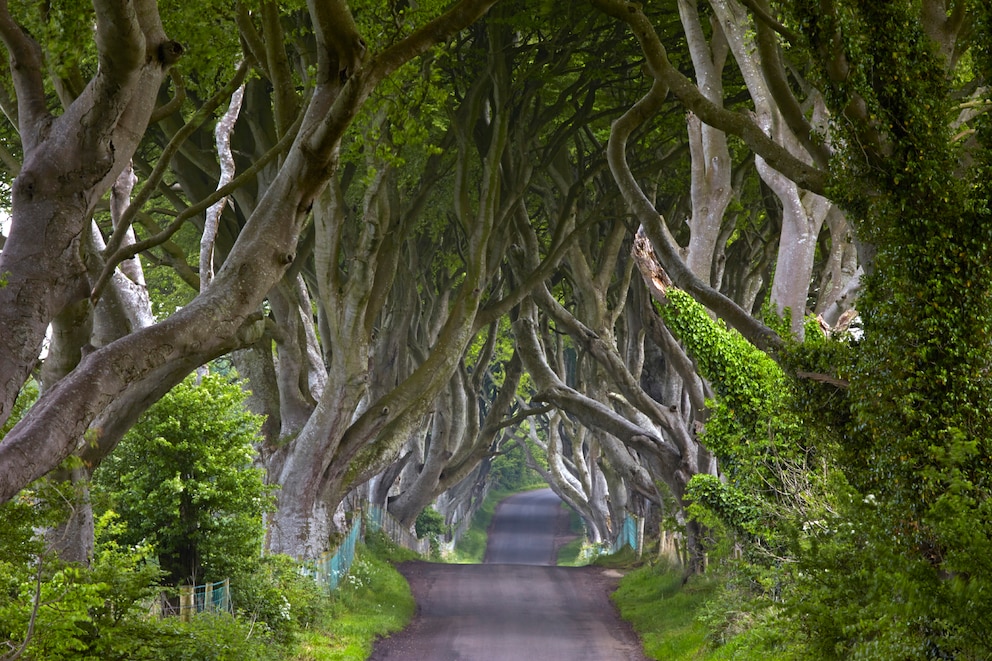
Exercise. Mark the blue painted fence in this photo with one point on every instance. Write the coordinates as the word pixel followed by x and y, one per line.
pixel 332 567
pixel 627 536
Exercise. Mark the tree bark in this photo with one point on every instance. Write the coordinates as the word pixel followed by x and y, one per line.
pixel 70 162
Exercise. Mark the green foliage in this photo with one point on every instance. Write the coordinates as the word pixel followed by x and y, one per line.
pixel 183 480
pixel 25 399
pixel 64 30
pixel 429 522
pixel 731 506
pixel 912 581
pixel 430 525
pixel 210 39
pixel 275 596
pixel 779 481
pixel 750 386
pixel 510 472
pixel 374 600
pixel 701 618
pixel 100 613
pixel 37 592
pixel 168 292
pixel 663 613
pixel 752 427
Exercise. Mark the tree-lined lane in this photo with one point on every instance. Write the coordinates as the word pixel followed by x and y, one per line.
pixel 523 529
pixel 516 606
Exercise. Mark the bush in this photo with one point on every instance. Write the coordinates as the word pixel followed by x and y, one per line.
pixel 275 595
pixel 429 522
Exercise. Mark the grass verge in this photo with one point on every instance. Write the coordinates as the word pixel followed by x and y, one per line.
pixel 374 600
pixel 705 619
pixel 569 554
pixel 666 613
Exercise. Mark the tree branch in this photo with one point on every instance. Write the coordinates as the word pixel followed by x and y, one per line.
pixel 661 240
pixel 175 103
pixel 165 160
pixel 25 67
pixel 130 251
pixel 530 412
pixel 120 41
pixel 770 57
pixel 734 123
pixel 762 12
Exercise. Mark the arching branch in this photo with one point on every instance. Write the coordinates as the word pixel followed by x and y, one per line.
pixel 692 98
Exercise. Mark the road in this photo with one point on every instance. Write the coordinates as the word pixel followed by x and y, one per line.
pixel 516 606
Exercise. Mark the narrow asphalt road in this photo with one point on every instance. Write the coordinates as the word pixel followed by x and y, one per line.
pixel 517 606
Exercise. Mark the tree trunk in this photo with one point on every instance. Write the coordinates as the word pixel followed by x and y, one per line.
pixel 70 162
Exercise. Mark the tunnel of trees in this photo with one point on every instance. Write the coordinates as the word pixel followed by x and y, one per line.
pixel 725 265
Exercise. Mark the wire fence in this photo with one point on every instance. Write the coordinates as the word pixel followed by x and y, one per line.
pixel 328 571
pixel 332 567
pixel 378 518
pixel 627 535
pixel 192 599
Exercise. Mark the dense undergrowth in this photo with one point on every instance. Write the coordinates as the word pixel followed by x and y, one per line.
pixel 51 610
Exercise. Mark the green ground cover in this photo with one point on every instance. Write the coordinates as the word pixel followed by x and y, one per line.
pixel 374 600
pixel 703 619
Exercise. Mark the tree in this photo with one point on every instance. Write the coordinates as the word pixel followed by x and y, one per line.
pixel 183 479
pixel 129 374
pixel 910 168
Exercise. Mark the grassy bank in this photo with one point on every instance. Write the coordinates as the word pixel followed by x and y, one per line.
pixel 666 614
pixel 374 600
pixel 705 619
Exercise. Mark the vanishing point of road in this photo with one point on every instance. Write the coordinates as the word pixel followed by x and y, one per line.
pixel 517 606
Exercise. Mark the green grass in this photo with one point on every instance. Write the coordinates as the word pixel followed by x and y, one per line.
pixel 702 620
pixel 568 554
pixel 665 613
pixel 374 600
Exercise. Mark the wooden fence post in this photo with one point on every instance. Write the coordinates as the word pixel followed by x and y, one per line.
pixel 186 603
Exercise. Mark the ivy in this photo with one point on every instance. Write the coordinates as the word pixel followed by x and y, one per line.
pixel 745 425
pixel 912 429
pixel 734 508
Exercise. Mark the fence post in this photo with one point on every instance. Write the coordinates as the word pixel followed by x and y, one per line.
pixel 640 536
pixel 156 608
pixel 186 605
pixel 226 595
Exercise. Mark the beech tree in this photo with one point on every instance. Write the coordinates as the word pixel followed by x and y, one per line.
pixel 222 317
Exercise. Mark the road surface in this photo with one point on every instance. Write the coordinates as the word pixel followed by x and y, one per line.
pixel 517 606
